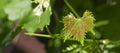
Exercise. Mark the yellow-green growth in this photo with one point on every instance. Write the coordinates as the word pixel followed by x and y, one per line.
pixel 77 28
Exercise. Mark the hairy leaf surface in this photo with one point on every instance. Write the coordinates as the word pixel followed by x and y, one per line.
pixel 77 28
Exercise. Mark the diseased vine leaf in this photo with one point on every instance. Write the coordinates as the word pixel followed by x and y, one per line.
pixel 17 9
pixel 77 28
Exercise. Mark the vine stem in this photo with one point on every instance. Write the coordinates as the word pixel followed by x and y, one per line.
pixel 71 9
pixel 42 35
pixel 104 47
pixel 101 51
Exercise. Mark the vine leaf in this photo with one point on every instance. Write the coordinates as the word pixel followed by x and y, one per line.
pixel 76 28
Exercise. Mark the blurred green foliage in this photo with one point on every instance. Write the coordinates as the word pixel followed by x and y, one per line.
pixel 106 13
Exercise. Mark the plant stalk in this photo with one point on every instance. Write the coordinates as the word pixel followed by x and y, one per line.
pixel 71 9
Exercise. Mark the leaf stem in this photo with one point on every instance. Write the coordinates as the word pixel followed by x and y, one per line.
pixel 48 30
pixel 71 9
pixel 42 35
pixel 104 47
pixel 101 51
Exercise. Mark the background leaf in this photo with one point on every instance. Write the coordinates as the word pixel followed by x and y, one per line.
pixel 17 9
pixel 38 21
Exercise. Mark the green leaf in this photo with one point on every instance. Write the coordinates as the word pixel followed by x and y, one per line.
pixel 38 21
pixel 2 13
pixel 45 18
pixel 17 9
pixel 101 23
pixel 11 35
pixel 40 18
pixel 77 28
pixel 32 25
pixel 3 3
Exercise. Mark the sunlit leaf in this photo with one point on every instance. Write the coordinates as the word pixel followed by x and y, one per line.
pixel 3 3
pixel 77 28
pixel 45 18
pixel 32 25
pixel 17 9
pixel 40 18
